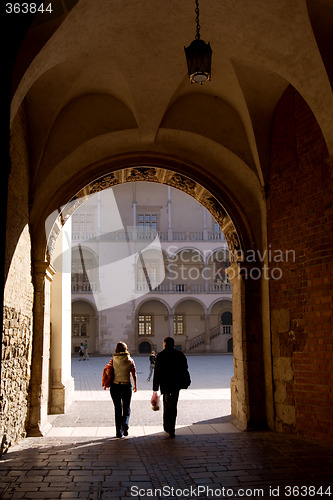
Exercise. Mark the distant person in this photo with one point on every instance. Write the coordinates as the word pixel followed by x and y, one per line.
pixel 81 352
pixel 152 359
pixel 170 375
pixel 86 355
pixel 122 368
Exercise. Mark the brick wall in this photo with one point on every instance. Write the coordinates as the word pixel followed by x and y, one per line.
pixel 18 299
pixel 300 218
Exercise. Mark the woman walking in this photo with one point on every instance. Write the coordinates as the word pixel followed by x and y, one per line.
pixel 122 368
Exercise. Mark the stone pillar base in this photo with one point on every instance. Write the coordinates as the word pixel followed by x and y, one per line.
pixel 39 430
pixel 62 395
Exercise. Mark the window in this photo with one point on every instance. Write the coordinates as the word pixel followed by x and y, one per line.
pixel 147 222
pixel 150 272
pixel 80 324
pixel 82 224
pixel 145 324
pixel 179 326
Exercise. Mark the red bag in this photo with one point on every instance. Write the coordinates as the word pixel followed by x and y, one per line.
pixel 107 376
pixel 155 401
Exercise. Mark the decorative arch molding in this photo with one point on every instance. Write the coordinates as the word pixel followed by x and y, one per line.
pixel 210 192
pixel 183 183
pixel 226 305
pixel 189 299
pixel 160 175
pixel 86 301
pixel 151 299
pixel 188 248
pixel 215 251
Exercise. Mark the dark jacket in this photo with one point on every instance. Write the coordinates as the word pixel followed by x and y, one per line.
pixel 152 359
pixel 170 371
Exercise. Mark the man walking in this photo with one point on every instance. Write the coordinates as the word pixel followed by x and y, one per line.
pixel 171 374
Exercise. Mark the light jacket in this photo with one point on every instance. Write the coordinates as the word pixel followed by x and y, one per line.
pixel 122 367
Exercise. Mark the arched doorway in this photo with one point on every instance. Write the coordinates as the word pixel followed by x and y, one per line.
pixel 190 326
pixel 129 123
pixel 211 203
pixel 84 321
pixel 226 321
pixel 145 347
pixel 152 323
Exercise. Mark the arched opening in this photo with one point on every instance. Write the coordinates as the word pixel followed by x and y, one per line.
pixel 242 399
pixel 190 326
pixel 145 320
pixel 220 335
pixel 152 323
pixel 226 321
pixel 71 131
pixel 84 326
pixel 145 347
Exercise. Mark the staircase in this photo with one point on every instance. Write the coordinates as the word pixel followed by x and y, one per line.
pixel 199 340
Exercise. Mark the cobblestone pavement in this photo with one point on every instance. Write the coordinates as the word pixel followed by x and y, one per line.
pixel 209 458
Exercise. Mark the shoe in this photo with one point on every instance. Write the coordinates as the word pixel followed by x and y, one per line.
pixel 119 434
pixel 172 435
pixel 125 432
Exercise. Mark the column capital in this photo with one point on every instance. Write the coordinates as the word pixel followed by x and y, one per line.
pixel 43 268
pixel 233 272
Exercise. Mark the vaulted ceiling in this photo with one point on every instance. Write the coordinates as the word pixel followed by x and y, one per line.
pixel 102 78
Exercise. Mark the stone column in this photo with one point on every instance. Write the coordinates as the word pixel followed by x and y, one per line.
pixel 135 326
pixel 38 424
pixel 98 333
pixel 239 382
pixel 135 227
pixel 207 275
pixel 207 332
pixel 205 230
pixel 170 236
pixel 62 383
pixel 171 325
pixel 248 384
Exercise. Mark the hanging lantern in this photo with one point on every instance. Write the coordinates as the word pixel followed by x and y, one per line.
pixel 198 56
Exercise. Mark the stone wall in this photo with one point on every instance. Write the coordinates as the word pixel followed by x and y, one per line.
pixel 300 218
pixel 16 358
pixel 18 298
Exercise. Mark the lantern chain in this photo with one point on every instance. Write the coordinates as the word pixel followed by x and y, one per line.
pixel 197 36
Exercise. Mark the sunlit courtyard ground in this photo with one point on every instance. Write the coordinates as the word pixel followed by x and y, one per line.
pixel 207 400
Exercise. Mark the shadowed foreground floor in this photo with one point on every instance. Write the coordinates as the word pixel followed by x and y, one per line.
pixel 81 459
pixel 221 465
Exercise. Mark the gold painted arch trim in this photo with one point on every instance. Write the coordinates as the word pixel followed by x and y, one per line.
pixel 161 176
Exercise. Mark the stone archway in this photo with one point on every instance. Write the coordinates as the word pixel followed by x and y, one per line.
pixel 248 402
pixel 160 175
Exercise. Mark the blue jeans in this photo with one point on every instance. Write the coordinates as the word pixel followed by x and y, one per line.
pixel 170 402
pixel 121 395
pixel 151 370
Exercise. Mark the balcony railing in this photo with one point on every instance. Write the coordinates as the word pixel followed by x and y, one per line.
pixel 84 287
pixel 186 288
pixel 134 234
pixel 164 288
